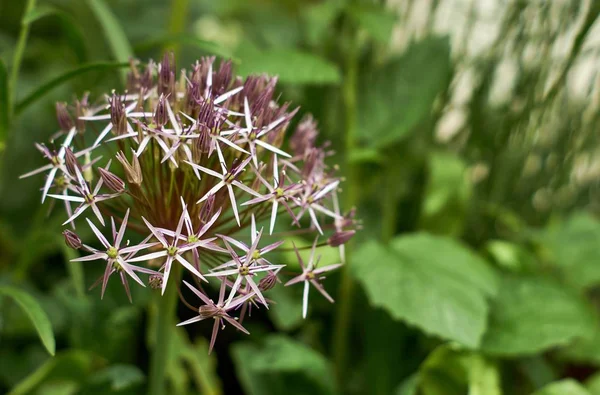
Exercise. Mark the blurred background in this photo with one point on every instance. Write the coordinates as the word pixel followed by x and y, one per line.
pixel 467 131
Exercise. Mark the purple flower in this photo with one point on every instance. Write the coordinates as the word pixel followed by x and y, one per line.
pixel 312 275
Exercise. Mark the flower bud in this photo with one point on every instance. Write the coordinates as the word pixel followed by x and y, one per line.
pixel 80 107
pixel 166 75
pixel 111 181
pixel 155 281
pixel 71 162
pixel 160 114
pixel 133 171
pixel 339 238
pixel 64 119
pixel 268 281
pixel 206 212
pixel 117 115
pixel 72 240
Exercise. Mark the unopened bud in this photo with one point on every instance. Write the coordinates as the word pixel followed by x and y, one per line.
pixel 155 281
pixel 80 107
pixel 64 119
pixel 166 75
pixel 72 240
pixel 117 115
pixel 339 238
pixel 160 114
pixel 268 281
pixel 206 212
pixel 71 162
pixel 111 181
pixel 133 171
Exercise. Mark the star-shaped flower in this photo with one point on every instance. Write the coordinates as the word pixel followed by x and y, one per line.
pixel 116 257
pixel 86 198
pixel 57 162
pixel 278 193
pixel 227 179
pixel 310 201
pixel 245 270
pixel 172 250
pixel 217 311
pixel 311 275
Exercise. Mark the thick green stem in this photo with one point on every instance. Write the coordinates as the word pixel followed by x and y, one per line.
pixel 177 19
pixel 342 321
pixel 164 326
pixel 389 210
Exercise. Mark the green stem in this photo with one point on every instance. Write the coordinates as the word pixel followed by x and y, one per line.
pixel 389 210
pixel 18 56
pixel 177 19
pixel 342 320
pixel 164 328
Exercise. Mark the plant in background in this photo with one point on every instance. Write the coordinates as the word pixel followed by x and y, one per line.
pixel 202 160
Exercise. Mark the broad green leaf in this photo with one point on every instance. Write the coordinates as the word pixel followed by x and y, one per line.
pixel 119 376
pixel 409 386
pixel 449 370
pixel 573 248
pixel 584 350
pixel 61 79
pixel 71 30
pixel 282 365
pixel 73 365
pixel 375 20
pixel 593 384
pixel 446 195
pixel 117 40
pixel 319 18
pixel 399 95
pixel 4 104
pixel 35 313
pixel 290 66
pixel 287 312
pixel 187 40
pixel 533 314
pixel 563 387
pixel 431 282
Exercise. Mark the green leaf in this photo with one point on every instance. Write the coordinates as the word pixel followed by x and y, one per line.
pixel 573 248
pixel 203 367
pixel 319 19
pixel 73 365
pixel 61 79
pixel 398 96
pixel 187 40
pixel 120 376
pixel 282 365
pixel 4 103
pixel 593 384
pixel 35 313
pixel 115 35
pixel 563 387
pixel 432 282
pixel 446 196
pixel 375 20
pixel 71 29
pixel 449 370
pixel 584 350
pixel 290 66
pixel 532 314
pixel 287 312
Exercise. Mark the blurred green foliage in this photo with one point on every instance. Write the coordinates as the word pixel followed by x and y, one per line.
pixel 478 265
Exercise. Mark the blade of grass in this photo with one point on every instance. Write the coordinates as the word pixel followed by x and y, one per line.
pixel 53 83
pixel 177 22
pixel 4 104
pixel 18 56
pixel 115 35
pixel 187 40
pixel 71 29
pixel 36 314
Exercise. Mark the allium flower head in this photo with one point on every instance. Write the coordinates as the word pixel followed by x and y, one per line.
pixel 197 162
